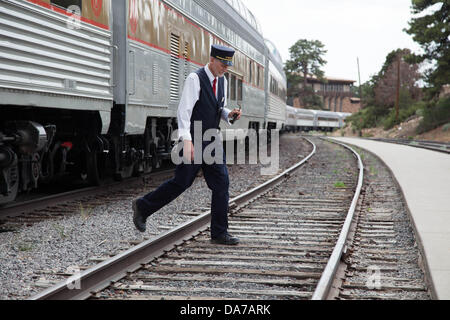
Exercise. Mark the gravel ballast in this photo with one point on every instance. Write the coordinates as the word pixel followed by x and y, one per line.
pixel 37 256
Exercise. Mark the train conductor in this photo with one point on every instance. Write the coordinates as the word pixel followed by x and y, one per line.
pixel 203 100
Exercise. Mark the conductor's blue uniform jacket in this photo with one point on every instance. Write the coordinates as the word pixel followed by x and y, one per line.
pixel 208 110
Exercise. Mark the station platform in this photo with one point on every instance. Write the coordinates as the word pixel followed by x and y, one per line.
pixel 424 177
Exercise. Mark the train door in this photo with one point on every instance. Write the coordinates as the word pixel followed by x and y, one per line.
pixel 235 99
pixel 235 90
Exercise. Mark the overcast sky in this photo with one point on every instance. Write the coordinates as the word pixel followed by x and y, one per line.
pixel 368 29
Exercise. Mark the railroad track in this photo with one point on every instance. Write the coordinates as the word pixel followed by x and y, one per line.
pixel 12 216
pixel 288 228
pixel 304 235
pixel 430 145
pixel 383 260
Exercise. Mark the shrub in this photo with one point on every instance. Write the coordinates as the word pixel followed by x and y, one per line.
pixel 368 117
pixel 446 127
pixel 404 113
pixel 435 115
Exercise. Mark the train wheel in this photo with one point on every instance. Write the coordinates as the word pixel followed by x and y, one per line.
pixel 94 168
pixel 138 169
pixel 12 184
pixel 125 173
pixel 47 168
pixel 148 167
pixel 156 162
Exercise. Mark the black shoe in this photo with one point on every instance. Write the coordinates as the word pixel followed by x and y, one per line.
pixel 226 239
pixel 138 217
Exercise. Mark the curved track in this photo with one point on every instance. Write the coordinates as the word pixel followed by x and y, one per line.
pixel 382 260
pixel 288 228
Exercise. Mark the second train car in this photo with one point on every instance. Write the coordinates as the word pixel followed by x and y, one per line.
pixel 308 119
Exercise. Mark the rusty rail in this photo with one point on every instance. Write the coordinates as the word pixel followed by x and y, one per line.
pixel 328 274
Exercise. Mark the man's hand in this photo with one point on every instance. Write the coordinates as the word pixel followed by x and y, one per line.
pixel 236 112
pixel 188 151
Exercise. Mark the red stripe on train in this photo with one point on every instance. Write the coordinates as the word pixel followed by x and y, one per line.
pixel 64 12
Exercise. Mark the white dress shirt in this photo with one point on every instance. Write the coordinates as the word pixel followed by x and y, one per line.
pixel 189 97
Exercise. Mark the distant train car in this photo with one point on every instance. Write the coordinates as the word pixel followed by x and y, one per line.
pixel 343 116
pixel 291 119
pixel 327 120
pixel 306 119
pixel 90 88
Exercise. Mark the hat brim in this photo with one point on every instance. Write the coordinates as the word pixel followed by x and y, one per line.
pixel 228 63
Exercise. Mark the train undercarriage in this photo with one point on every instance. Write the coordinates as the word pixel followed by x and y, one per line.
pixel 45 145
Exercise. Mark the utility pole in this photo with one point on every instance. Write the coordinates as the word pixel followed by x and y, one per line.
pixel 360 89
pixel 397 100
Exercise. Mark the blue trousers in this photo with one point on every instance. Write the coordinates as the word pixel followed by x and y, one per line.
pixel 216 176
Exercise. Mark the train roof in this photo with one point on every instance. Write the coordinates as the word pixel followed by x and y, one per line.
pixel 245 13
pixel 323 113
pixel 344 114
pixel 330 114
pixel 238 28
pixel 274 51
pixel 306 111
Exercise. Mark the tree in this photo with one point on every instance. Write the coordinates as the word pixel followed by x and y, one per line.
pixel 380 93
pixel 385 84
pixel 432 32
pixel 306 59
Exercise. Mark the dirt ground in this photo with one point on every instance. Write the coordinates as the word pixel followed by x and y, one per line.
pixel 405 130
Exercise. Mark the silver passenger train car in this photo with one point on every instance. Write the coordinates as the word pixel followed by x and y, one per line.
pixel 90 88
pixel 307 119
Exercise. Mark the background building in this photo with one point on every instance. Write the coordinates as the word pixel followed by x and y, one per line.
pixel 335 93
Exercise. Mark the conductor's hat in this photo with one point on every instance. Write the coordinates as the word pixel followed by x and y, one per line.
pixel 224 54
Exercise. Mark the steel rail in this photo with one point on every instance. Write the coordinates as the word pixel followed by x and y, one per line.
pixel 429 145
pixel 82 285
pixel 326 280
pixel 16 209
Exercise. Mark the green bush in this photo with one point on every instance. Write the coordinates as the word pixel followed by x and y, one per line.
pixel 419 112
pixel 404 113
pixel 435 114
pixel 368 117
pixel 446 127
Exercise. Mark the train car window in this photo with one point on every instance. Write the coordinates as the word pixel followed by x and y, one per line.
pixel 250 73
pixel 66 3
pixel 233 87
pixel 258 78
pixel 227 76
pixel 239 90
pixel 239 7
pixel 274 86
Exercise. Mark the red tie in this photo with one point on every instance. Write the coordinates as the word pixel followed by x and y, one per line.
pixel 214 86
